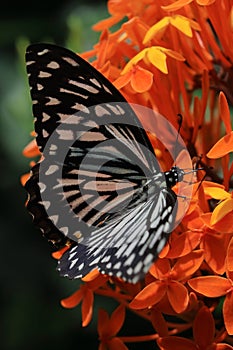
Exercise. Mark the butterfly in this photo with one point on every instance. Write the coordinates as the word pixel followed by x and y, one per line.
pixel 98 187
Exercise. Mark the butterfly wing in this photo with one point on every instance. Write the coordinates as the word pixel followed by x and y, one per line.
pixel 97 160
pixel 73 128
pixel 127 246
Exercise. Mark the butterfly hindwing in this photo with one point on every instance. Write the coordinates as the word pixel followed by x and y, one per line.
pixel 127 246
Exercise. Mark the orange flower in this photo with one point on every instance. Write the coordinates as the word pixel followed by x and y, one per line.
pixel 203 334
pixel 168 280
pixel 108 327
pixel 216 286
pixel 85 294
pixel 203 234
pixel 139 78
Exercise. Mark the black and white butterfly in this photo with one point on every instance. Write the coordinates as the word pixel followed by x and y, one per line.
pixel 98 187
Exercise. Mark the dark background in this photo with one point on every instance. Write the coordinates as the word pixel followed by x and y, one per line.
pixel 31 289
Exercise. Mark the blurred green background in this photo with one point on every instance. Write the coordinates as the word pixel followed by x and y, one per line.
pixel 31 316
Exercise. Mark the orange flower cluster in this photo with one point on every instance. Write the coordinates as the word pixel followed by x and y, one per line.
pixel 176 57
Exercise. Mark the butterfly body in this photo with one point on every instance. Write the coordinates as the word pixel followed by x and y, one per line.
pixel 99 185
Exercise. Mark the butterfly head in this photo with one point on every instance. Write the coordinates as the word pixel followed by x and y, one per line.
pixel 173 176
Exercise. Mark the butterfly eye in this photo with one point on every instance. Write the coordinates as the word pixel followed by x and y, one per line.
pixel 98 188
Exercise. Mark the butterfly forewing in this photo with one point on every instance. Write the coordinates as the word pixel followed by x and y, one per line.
pixel 67 94
pixel 62 84
pixel 94 182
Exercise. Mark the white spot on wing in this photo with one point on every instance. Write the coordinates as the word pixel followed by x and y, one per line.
pixel 148 259
pixel 40 53
pixel 84 86
pixel 95 82
pixel 52 101
pixel 45 133
pixel 80 267
pixel 107 90
pixel 42 186
pixel 81 107
pixel 73 263
pixel 45 117
pixel 54 219
pixel 138 267
pixel 28 63
pixel 53 65
pixel 52 169
pixel 100 111
pixel 64 230
pixel 65 134
pixel 39 87
pixel 130 271
pixel 46 204
pixel 117 265
pixel 43 74
pixel 161 244
pixel 130 260
pixel 70 61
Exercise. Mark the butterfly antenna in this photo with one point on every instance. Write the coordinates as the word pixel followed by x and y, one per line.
pixel 180 121
pixel 205 168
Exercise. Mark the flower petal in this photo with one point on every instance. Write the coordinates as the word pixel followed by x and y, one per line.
pixel 87 307
pixel 222 147
pixel 159 323
pixel 92 276
pixel 210 286
pixel 58 254
pixel 134 61
pixel 31 150
pixel 183 244
pixel 122 80
pixel 107 23
pixel 24 178
pixel 225 225
pixel 205 2
pixel 188 264
pixel 117 319
pixel 176 343
pixel 215 253
pixel 182 24
pixel 160 268
pixel 221 210
pixel 157 58
pixel 74 299
pixel 141 80
pixel 158 27
pixel 228 312
pixel 204 328
pixel 174 54
pixel 225 112
pixel 116 344
pixel 229 260
pixel 150 295
pixel 178 296
pixel 103 322
pixel 217 193
pixel 176 5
